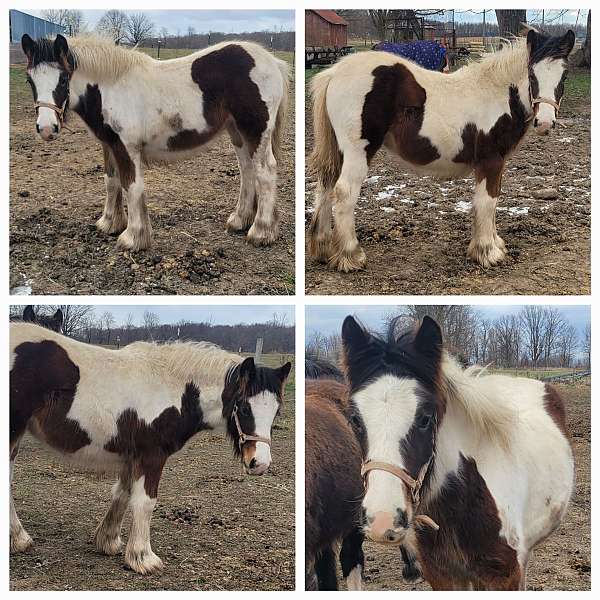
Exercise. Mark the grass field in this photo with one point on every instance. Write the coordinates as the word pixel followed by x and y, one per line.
pixel 540 373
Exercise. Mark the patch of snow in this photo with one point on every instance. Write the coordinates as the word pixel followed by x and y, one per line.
pixel 462 206
pixel 388 209
pixel 22 290
pixel 517 211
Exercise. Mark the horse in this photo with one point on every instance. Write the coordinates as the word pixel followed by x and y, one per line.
pixel 127 411
pixel 333 489
pixel 145 111
pixel 320 368
pixel 444 125
pixel 474 470
pixel 54 322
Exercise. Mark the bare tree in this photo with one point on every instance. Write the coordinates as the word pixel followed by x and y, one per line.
pixel 554 325
pixel 379 20
pixel 108 320
pixel 566 346
pixel 510 21
pixel 164 35
pixel 532 321
pixel 151 322
pixel 72 20
pixel 74 316
pixel 113 24
pixel 139 28
pixel 586 345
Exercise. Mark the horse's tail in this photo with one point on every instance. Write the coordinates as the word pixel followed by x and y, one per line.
pixel 326 158
pixel 281 110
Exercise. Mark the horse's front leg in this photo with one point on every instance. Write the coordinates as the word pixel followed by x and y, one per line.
pixel 243 215
pixel 486 247
pixel 144 490
pixel 347 255
pixel 265 228
pixel 20 540
pixel 107 536
pixel 113 219
pixel 138 235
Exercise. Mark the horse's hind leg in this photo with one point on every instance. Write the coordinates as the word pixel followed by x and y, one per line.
pixel 410 570
pixel 144 490
pixel 352 559
pixel 243 215
pixel 113 219
pixel 107 536
pixel 138 235
pixel 325 570
pixel 486 247
pixel 319 231
pixel 347 253
pixel 20 540
pixel 265 228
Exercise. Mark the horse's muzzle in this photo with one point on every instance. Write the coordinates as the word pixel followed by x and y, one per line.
pixel 48 133
pixel 256 468
pixel 383 530
pixel 543 127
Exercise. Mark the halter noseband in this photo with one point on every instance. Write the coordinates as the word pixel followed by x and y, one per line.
pixel 60 112
pixel 244 437
pixel 414 485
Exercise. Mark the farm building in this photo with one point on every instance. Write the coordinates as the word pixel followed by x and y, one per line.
pixel 21 23
pixel 325 29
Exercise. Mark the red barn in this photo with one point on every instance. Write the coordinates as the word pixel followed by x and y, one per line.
pixel 325 29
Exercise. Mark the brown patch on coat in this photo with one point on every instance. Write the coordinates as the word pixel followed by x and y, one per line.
pixel 227 89
pixel 175 122
pixel 186 139
pixel 43 383
pixel 487 152
pixel 393 110
pixel 468 548
pixel 555 407
pixel 150 444
pixel 333 459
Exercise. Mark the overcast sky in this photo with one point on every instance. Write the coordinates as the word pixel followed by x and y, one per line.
pixel 533 16
pixel 203 21
pixel 328 319
pixel 217 315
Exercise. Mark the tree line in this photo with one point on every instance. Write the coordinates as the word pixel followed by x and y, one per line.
pixel 82 323
pixel 139 29
pixel 535 337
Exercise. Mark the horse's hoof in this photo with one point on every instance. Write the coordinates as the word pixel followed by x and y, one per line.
pixel 487 255
pixel 143 561
pixel 236 223
pixel 141 240
pixel 105 544
pixel 111 226
pixel 411 572
pixel 20 542
pixel 347 261
pixel 319 248
pixel 262 235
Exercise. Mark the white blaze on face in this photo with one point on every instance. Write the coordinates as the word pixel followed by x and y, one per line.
pixel 387 408
pixel 548 73
pixel 45 78
pixel 264 408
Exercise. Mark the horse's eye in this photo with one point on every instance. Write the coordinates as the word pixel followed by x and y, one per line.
pixel 424 422
pixel 244 410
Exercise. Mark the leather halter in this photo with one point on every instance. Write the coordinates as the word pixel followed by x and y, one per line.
pixel 244 437
pixel 413 485
pixel 535 102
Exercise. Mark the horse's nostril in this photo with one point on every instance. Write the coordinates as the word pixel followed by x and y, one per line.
pixel 252 463
pixel 535 122
pixel 37 127
pixel 55 128
pixel 554 125
pixel 390 536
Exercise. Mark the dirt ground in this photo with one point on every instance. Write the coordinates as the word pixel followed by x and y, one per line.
pixel 563 561
pixel 214 527
pixel 415 230
pixel 57 194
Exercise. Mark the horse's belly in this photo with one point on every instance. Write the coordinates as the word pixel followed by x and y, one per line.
pixel 441 168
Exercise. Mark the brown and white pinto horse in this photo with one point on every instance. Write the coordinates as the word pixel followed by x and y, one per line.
pixel 144 111
pixel 448 126
pixel 126 411
pixel 475 470
pixel 54 322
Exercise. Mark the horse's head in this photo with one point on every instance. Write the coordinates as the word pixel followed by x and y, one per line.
pixel 394 410
pixel 54 322
pixel 547 74
pixel 252 398
pixel 49 69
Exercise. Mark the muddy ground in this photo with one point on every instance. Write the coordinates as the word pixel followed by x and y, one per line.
pixel 415 230
pixel 214 527
pixel 57 194
pixel 563 561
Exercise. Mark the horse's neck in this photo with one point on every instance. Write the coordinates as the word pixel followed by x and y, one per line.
pixel 212 407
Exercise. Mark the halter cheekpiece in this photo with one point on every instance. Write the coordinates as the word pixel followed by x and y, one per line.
pixel 244 437
pixel 413 485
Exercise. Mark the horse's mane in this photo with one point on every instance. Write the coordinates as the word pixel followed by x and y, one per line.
pixel 509 64
pixel 104 60
pixel 493 417
pixel 203 362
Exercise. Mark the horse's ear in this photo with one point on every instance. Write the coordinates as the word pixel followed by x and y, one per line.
pixel 58 318
pixel 532 41
pixel 28 45
pixel 353 335
pixel 428 340
pixel 247 370
pixel 61 52
pixel 566 43
pixel 29 314
pixel 284 371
